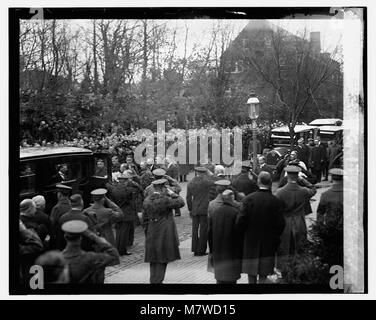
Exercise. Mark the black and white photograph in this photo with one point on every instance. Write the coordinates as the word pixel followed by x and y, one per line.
pixel 211 150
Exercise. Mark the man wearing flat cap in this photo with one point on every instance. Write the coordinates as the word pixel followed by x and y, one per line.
pixel 295 199
pixel 86 267
pixel 63 206
pixel 331 201
pixel 103 213
pixel 198 191
pixel 162 242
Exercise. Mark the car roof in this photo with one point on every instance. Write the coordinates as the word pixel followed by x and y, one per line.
pixel 325 122
pixel 298 128
pixel 41 152
pixel 330 129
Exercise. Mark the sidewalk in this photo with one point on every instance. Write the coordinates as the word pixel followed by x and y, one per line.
pixel 189 269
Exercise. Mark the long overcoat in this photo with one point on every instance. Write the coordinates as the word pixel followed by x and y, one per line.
pixel 263 222
pixel 162 242
pixel 225 240
pixel 295 199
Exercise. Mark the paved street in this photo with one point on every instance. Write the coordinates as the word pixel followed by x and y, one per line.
pixel 189 269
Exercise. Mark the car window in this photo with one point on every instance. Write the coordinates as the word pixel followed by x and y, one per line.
pixel 27 178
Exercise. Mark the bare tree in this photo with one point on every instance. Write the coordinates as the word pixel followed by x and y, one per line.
pixel 291 66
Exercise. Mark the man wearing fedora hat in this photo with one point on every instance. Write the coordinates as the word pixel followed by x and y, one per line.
pixel 162 242
pixel 295 199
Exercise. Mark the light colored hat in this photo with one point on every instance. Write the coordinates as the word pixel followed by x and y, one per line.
pixel 39 201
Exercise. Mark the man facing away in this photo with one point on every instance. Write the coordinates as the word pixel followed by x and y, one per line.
pixel 263 222
pixel 86 267
pixel 295 199
pixel 224 235
pixel 198 191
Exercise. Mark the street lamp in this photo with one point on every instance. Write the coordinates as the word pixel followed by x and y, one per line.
pixel 253 112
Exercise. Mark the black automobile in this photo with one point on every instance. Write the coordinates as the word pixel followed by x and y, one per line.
pixel 41 168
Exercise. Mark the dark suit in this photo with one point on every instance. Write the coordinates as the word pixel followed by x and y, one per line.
pixel 303 154
pixel 318 161
pixel 263 223
pixel 198 191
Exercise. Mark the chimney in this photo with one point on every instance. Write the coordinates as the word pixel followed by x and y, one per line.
pixel 315 41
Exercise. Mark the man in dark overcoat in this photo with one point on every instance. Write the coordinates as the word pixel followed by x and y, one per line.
pixel 303 151
pixel 318 159
pixel 198 191
pixel 63 206
pixel 125 195
pixel 263 222
pixel 224 237
pixel 295 199
pixel 162 242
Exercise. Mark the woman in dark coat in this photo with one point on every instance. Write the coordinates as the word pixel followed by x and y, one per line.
pixel 162 242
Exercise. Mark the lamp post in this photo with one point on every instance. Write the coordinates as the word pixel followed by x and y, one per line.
pixel 253 112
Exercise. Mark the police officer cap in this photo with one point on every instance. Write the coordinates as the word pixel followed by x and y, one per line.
pixel 63 187
pixel 99 192
pixel 336 172
pixel 201 169
pixel 74 226
pixel 292 169
pixel 159 172
pixel 159 181
pixel 222 182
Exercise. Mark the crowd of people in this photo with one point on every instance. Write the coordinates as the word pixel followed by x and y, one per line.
pixel 237 221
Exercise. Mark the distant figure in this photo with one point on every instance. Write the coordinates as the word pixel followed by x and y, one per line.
pixel 101 170
pixel 62 174
pixel 318 159
pixel 302 152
